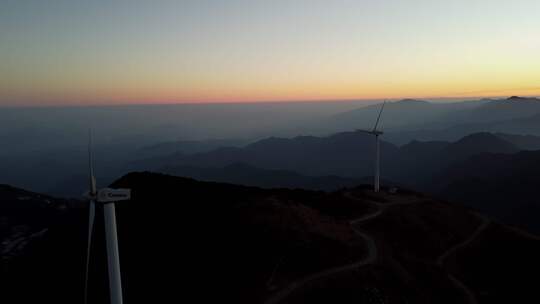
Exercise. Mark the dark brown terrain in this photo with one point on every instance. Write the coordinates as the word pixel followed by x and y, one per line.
pixel 181 239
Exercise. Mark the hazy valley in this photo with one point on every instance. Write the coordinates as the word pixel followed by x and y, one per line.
pixel 294 217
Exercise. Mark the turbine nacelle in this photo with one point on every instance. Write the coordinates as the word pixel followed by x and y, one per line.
pixel 371 132
pixel 109 195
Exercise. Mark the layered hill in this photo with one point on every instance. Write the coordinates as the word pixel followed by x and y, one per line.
pixel 504 185
pixel 345 154
pixel 349 155
pixel 243 174
pixel 432 118
pixel 505 109
pixel 514 115
pixel 54 150
pixel 406 113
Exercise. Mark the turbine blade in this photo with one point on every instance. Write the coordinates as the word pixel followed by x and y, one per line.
pixel 91 217
pixel 91 214
pixel 379 117
pixel 365 131
pixel 91 166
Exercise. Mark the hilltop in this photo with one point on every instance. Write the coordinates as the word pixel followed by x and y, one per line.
pixel 181 238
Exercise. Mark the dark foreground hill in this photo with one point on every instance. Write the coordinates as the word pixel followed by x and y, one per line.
pixel 184 240
pixel 41 248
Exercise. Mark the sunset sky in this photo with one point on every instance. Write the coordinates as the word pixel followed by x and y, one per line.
pixel 108 52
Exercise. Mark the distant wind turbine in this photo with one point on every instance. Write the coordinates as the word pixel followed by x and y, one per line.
pixel 377 133
pixel 107 197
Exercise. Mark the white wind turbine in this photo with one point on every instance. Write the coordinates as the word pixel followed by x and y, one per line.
pixel 107 197
pixel 377 133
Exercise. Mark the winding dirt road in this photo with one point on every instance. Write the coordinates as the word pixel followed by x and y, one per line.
pixel 440 261
pixel 472 237
pixel 370 258
pixel 482 227
pixel 372 254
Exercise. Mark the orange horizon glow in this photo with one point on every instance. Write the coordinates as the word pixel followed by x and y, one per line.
pixel 324 94
pixel 191 52
pixel 171 101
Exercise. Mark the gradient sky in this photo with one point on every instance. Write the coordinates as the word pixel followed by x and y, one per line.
pixel 78 52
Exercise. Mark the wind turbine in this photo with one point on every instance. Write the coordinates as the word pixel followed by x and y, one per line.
pixel 107 197
pixel 377 133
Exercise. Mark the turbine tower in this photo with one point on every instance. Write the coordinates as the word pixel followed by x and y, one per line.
pixel 107 197
pixel 377 133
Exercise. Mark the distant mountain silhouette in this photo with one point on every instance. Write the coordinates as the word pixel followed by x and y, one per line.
pixel 478 143
pixel 185 146
pixel 184 239
pixel 503 185
pixel 506 109
pixel 49 158
pixel 348 155
pixel 404 113
pixel 529 125
pixel 514 115
pixel 418 161
pixel 421 149
pixel 242 174
pixel 523 142
pixel 344 154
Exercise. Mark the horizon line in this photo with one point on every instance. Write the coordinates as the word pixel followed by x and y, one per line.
pixel 252 102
